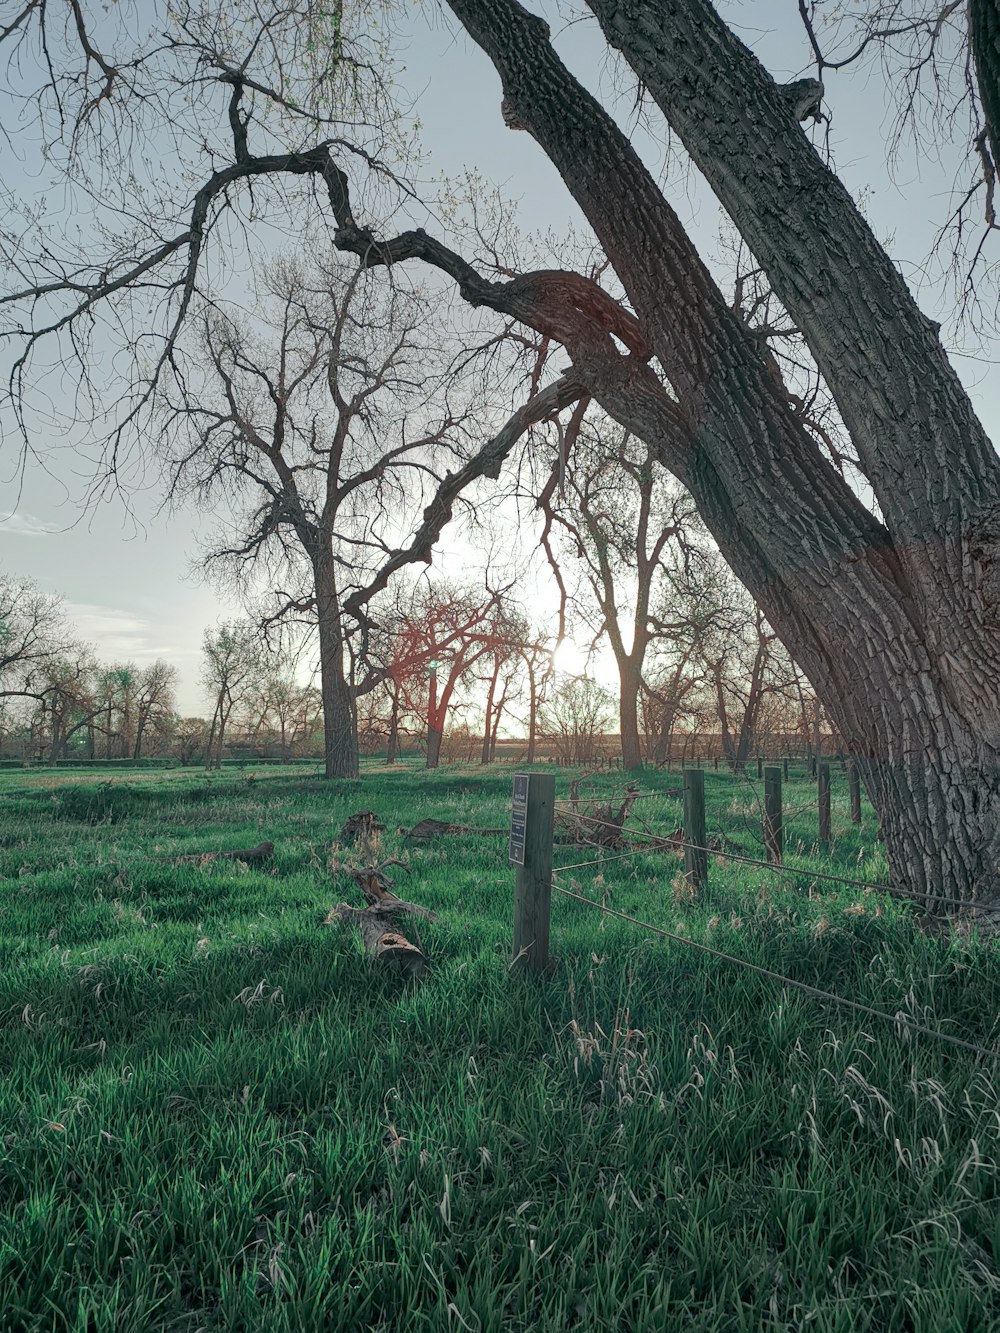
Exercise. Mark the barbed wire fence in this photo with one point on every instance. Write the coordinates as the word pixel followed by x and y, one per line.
pixel 644 841
pixel 902 1023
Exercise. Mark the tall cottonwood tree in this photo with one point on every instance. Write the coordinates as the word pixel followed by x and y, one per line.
pixel 324 421
pixel 894 618
pixel 894 614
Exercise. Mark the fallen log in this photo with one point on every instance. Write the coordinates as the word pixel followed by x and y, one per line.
pixel 598 825
pixel 251 856
pixel 384 943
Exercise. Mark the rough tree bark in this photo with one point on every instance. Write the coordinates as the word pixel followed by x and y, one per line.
pixel 629 684
pixel 894 622
pixel 984 38
pixel 340 723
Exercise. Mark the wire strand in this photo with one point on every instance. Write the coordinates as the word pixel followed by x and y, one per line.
pixel 601 860
pixel 656 843
pixel 897 1020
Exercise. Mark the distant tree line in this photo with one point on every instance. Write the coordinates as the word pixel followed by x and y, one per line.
pixel 449 672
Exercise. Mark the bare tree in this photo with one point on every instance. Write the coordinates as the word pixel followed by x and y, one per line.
pixel 536 654
pixel 745 666
pixel 190 736
pixel 891 610
pixel 631 531
pixel 233 661
pixel 320 441
pixel 331 440
pixel 281 714
pixel 154 700
pixel 444 634
pixel 33 632
pixel 67 702
pixel 576 719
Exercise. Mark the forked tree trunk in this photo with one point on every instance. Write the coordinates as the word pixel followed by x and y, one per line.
pixel 894 620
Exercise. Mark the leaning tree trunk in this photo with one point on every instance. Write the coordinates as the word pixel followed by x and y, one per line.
pixel 340 725
pixel 220 741
pixel 488 720
pixel 435 715
pixel 532 715
pixel 984 38
pixel 894 620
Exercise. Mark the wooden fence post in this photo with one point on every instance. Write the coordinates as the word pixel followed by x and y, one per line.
pixel 854 784
pixel 760 768
pixel 773 838
pixel 823 789
pixel 695 853
pixel 784 769
pixel 531 826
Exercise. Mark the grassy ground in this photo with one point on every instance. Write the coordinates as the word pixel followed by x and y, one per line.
pixel 214 1116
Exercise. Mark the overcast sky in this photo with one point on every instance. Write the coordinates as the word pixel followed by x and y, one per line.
pixel 125 576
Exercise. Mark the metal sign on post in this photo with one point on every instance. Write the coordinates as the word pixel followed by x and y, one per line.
pixel 519 819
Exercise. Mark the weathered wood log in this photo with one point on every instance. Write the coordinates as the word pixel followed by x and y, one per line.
pixel 251 856
pixel 383 939
pixel 384 943
pixel 374 883
pixel 362 824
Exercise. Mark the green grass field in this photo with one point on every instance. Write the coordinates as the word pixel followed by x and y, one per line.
pixel 214 1115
